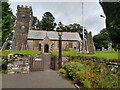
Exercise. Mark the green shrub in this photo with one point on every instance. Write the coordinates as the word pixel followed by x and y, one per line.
pixel 71 69
pixel 86 84
pixel 11 61
pixel 62 71
pixel 90 74
pixel 17 72
pixel 5 71
pixel 4 64
pixel 66 49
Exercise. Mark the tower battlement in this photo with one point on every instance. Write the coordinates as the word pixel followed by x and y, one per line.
pixel 26 7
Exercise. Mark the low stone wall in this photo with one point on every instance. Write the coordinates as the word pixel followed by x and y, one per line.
pixel 95 59
pixel 65 59
pixel 18 63
pixel 54 61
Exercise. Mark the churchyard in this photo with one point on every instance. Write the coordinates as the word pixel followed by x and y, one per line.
pixel 99 70
pixel 53 52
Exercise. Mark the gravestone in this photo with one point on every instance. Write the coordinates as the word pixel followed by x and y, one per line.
pixel 98 49
pixel 90 44
pixel 110 49
pixel 85 46
pixel 117 50
pixel 113 50
pixel 78 47
pixel 103 49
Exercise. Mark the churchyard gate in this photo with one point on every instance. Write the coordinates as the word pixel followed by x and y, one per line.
pixel 40 62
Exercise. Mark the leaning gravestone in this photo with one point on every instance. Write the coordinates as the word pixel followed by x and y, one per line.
pixel 90 43
pixel 78 47
pixel 110 49
pixel 85 46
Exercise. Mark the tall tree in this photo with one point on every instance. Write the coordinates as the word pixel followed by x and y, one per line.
pixel 60 25
pixel 7 21
pixel 36 23
pixel 72 28
pixel 48 22
pixel 112 12
pixel 102 39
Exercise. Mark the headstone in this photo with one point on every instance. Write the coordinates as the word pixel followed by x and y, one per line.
pixel 78 47
pixel 90 43
pixel 103 49
pixel 98 49
pixel 113 50
pixel 110 47
pixel 117 50
pixel 85 47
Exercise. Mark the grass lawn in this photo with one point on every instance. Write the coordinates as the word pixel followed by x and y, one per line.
pixel 99 54
pixel 25 52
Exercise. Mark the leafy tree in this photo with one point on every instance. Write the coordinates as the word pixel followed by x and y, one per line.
pixel 112 12
pixel 72 28
pixel 61 25
pixel 7 21
pixel 102 39
pixel 48 22
pixel 36 23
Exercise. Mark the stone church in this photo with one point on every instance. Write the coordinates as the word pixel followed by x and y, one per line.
pixel 24 38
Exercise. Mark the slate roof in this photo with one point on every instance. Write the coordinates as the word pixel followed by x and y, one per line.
pixel 53 35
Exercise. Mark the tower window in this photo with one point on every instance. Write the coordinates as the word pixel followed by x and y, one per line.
pixel 23 16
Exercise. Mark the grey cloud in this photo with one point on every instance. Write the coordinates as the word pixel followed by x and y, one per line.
pixel 69 12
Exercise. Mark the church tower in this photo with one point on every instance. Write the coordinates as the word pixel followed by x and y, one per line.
pixel 22 26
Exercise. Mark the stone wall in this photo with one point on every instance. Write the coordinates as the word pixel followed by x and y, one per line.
pixel 19 63
pixel 53 45
pixel 54 61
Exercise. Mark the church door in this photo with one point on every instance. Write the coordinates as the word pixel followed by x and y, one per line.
pixel 46 48
pixel 39 47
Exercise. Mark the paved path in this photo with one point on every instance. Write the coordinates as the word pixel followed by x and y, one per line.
pixel 39 79
pixel 47 59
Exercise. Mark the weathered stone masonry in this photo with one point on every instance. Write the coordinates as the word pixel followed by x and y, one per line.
pixel 23 24
pixel 25 38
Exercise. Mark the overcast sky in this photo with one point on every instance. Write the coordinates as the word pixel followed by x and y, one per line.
pixel 67 12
